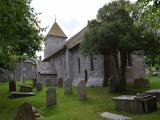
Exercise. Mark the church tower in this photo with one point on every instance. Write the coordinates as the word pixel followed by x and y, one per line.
pixel 54 39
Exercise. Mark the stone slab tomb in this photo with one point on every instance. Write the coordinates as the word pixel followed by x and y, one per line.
pixel 51 98
pixel 39 87
pixel 60 82
pixel 112 116
pixel 67 87
pixel 24 88
pixel 48 82
pixel 12 86
pixel 27 112
pixel 154 92
pixel 81 90
pixel 20 94
pixel 136 104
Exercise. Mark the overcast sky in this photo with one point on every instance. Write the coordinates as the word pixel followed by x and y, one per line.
pixel 71 15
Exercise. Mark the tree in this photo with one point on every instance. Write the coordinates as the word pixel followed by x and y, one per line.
pixel 19 29
pixel 113 33
pixel 149 13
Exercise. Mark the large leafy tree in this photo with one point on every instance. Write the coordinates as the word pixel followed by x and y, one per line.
pixel 149 13
pixel 19 29
pixel 113 33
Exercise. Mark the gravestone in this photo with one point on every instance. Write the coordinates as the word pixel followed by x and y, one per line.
pixel 141 83
pixel 39 86
pixel 51 97
pixel 81 90
pixel 60 82
pixel 34 82
pixel 12 86
pixel 48 82
pixel 27 112
pixel 68 87
pixel 112 116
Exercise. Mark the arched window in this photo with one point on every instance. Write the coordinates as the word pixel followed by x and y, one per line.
pixel 91 63
pixel 79 65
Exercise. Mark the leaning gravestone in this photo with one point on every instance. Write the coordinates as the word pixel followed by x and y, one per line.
pixel 51 97
pixel 39 86
pixel 48 82
pixel 27 112
pixel 12 86
pixel 81 90
pixel 34 82
pixel 68 87
pixel 60 82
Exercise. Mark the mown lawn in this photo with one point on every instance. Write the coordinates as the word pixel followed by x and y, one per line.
pixel 69 107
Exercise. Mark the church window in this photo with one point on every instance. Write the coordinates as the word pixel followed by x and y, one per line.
pixel 91 63
pixel 129 61
pixel 79 65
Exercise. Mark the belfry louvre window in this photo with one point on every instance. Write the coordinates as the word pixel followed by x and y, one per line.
pixel 91 63
pixel 79 65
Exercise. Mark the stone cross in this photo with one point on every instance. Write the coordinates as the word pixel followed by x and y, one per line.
pixel 51 97
pixel 81 90
pixel 60 82
pixel 12 86
pixel 39 86
pixel 68 87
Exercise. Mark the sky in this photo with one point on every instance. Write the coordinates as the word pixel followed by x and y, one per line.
pixel 71 15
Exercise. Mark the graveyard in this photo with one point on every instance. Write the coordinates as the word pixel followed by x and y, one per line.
pixel 69 107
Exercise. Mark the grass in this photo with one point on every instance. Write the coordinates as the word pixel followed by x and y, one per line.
pixel 69 107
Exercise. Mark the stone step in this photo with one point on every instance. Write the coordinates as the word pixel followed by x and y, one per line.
pixel 37 115
pixel 112 116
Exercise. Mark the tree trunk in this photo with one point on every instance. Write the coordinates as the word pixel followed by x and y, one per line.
pixel 122 80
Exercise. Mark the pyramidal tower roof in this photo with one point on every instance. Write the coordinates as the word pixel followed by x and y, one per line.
pixel 56 31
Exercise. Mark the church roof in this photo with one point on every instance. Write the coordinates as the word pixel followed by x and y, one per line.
pixel 72 42
pixel 56 31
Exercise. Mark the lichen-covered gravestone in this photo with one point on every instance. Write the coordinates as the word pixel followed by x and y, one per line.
pixel 39 86
pixel 25 112
pixel 68 87
pixel 51 97
pixel 60 82
pixel 81 90
pixel 12 86
pixel 48 82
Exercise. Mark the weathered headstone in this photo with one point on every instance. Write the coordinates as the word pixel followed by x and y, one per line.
pixel 12 86
pixel 34 82
pixel 27 112
pixel 68 87
pixel 39 86
pixel 141 83
pixel 51 97
pixel 48 82
pixel 81 90
pixel 60 82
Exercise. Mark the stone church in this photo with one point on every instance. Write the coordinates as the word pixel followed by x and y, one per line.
pixel 64 59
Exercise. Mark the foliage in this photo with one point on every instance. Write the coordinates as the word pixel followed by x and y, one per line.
pixel 19 29
pixel 149 13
